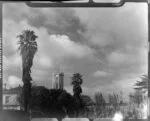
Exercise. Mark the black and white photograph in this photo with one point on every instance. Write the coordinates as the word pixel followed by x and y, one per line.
pixel 73 62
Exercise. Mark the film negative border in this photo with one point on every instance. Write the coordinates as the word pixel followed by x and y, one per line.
pixel 1 61
pixel 148 60
pixel 89 4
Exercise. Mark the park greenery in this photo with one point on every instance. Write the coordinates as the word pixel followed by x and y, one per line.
pixel 58 103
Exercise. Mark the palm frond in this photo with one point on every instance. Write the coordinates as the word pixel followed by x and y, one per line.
pixel 27 48
pixel 76 79
pixel 27 42
pixel 143 84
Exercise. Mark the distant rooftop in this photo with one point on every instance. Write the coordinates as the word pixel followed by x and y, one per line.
pixel 15 90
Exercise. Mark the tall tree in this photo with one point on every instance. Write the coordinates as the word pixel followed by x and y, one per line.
pixel 76 82
pixel 77 90
pixel 139 97
pixel 87 106
pixel 28 48
pixel 100 104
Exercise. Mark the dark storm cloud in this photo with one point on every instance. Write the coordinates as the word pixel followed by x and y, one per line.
pixel 117 30
pixel 55 20
pixel 111 44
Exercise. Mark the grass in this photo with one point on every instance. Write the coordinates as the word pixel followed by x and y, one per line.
pixel 14 115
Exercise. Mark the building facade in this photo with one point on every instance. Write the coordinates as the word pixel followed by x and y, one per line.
pixel 10 98
pixel 58 81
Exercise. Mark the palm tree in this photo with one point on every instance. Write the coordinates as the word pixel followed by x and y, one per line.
pixel 27 48
pixel 76 82
pixel 143 84
pixel 77 90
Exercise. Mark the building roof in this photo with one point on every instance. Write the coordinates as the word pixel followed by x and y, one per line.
pixel 16 90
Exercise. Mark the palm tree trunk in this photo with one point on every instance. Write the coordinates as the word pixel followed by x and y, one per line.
pixel 24 90
pixel 29 94
pixel 26 87
pixel 78 102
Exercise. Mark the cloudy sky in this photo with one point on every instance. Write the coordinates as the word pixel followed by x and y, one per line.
pixel 108 46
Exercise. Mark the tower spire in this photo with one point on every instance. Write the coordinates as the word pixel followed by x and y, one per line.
pixel 57 68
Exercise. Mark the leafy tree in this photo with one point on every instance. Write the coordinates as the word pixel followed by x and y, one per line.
pixel 51 103
pixel 99 99
pixel 39 97
pixel 100 104
pixel 136 97
pixel 87 106
pixel 115 100
pixel 135 101
pixel 67 102
pixel 28 48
